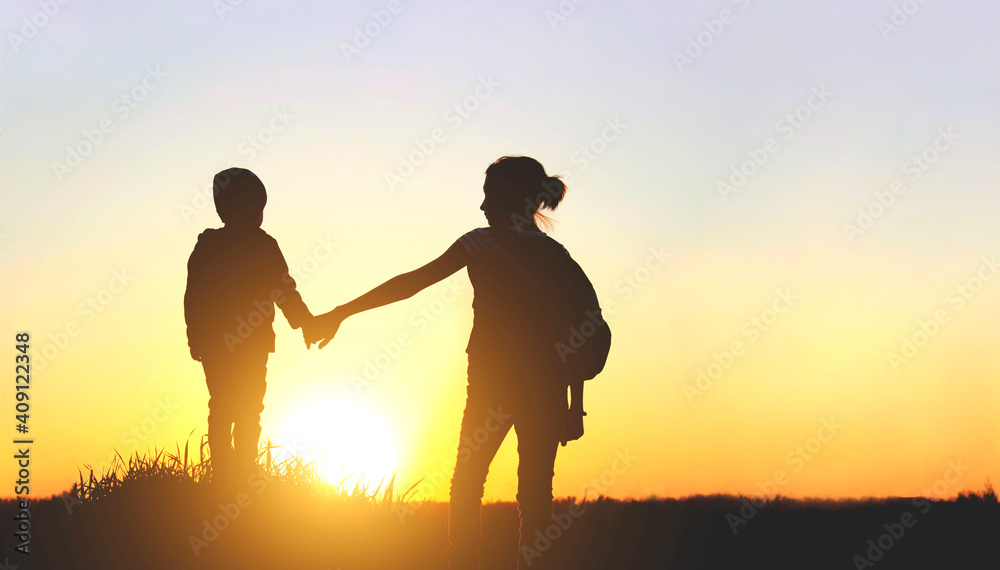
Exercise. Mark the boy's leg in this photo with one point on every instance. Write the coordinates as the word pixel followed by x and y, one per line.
pixel 538 431
pixel 246 433
pixel 219 374
pixel 484 425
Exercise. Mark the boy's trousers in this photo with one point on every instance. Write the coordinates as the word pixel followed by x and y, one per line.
pixel 236 386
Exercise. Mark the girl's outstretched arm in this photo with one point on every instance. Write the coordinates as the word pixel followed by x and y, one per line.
pixel 400 287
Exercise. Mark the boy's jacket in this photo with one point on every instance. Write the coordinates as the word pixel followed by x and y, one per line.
pixel 235 278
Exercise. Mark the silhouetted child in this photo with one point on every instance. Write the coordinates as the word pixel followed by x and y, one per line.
pixel 236 275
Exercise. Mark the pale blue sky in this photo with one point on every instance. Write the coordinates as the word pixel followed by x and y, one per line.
pixel 608 59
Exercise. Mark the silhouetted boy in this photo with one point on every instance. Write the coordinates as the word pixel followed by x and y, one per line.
pixel 236 275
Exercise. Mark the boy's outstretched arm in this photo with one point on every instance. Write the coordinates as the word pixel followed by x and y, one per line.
pixel 400 287
pixel 284 294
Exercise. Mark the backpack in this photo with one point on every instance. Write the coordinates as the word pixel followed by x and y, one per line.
pixel 583 338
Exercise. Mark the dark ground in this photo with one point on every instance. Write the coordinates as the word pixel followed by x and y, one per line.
pixel 152 523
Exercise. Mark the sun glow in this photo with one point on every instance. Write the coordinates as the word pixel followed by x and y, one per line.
pixel 348 441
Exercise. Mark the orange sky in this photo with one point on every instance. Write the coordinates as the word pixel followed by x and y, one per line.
pixel 762 336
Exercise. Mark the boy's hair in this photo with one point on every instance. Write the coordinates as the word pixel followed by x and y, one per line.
pixel 239 195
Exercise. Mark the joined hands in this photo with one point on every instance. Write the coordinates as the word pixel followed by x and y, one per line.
pixel 322 328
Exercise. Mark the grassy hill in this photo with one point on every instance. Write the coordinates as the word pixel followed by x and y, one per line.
pixel 161 512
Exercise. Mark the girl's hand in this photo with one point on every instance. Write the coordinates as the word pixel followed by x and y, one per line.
pixel 310 332
pixel 329 324
pixel 572 426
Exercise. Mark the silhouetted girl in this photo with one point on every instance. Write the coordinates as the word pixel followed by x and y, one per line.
pixel 527 288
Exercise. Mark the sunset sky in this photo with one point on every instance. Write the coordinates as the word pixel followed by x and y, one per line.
pixel 788 210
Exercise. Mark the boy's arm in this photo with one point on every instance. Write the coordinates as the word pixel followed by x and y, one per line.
pixel 193 308
pixel 286 295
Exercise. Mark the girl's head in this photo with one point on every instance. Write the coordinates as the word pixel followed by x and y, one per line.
pixel 517 189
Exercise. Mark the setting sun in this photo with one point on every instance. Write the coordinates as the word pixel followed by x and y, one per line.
pixel 348 441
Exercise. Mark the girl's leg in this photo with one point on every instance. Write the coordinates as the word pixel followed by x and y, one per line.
pixel 538 433
pixel 486 421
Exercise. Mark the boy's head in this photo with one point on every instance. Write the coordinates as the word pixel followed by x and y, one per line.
pixel 239 197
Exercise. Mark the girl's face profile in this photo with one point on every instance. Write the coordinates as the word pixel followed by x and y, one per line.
pixel 489 206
